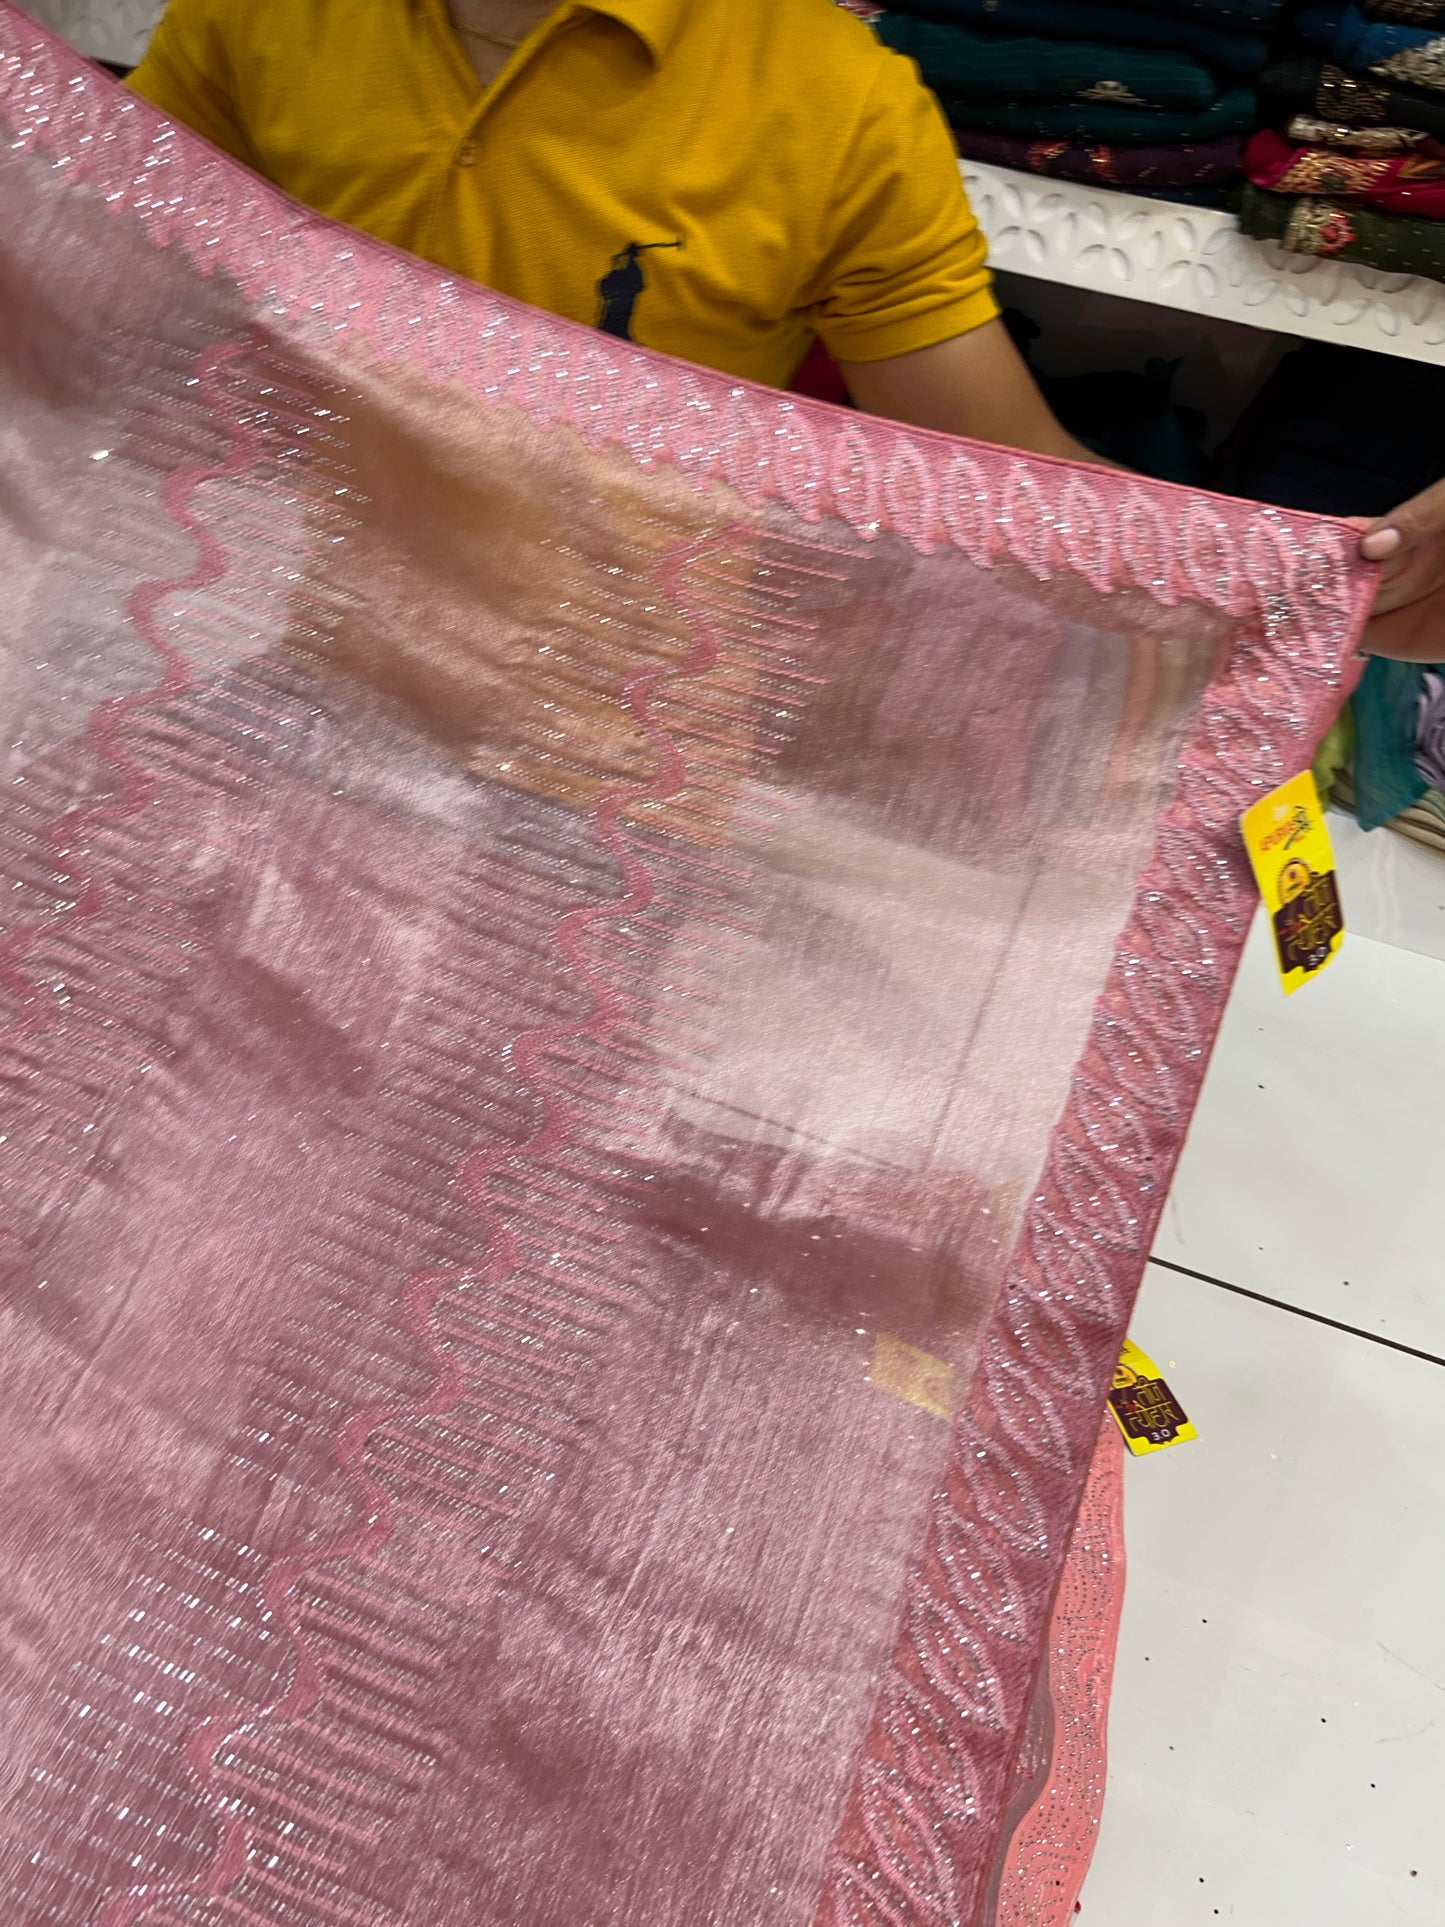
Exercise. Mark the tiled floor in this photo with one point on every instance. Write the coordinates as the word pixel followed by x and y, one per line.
pixel 1278 1727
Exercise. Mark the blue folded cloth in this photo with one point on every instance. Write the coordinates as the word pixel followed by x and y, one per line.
pixel 1104 122
pixel 1225 51
pixel 1386 709
pixel 1017 68
pixel 1237 16
pixel 1415 55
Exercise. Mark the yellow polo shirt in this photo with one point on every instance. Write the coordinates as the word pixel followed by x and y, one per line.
pixel 721 179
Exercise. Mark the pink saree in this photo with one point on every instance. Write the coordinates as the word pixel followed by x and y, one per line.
pixel 603 972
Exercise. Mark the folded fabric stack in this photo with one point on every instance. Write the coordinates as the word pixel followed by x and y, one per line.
pixel 1153 98
pixel 1354 163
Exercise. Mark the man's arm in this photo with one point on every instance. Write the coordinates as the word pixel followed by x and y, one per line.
pixel 902 295
pixel 976 384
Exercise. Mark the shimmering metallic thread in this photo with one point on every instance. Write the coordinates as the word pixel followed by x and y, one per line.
pixel 817 489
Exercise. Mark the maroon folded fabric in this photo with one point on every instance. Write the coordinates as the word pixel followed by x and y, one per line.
pixel 1191 164
pixel 1398 184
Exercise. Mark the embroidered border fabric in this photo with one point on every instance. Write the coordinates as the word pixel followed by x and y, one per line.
pixel 603 972
pixel 1063 1763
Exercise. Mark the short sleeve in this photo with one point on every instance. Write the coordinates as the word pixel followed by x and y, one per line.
pixel 186 73
pixel 904 264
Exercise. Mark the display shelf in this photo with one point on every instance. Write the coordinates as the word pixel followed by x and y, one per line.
pixel 1095 238
pixel 1196 259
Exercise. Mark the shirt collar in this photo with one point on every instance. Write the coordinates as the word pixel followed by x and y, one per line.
pixel 655 22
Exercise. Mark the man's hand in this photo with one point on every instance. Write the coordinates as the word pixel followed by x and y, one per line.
pixel 1409 618
pixel 977 385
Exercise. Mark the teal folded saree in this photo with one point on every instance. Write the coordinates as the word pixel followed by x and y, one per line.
pixel 1015 69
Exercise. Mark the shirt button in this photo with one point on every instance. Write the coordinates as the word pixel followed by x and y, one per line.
pixel 467 154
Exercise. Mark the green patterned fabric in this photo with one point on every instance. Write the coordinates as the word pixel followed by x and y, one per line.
pixel 1398 243
pixel 1335 754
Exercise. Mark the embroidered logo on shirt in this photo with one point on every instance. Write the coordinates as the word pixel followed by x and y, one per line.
pixel 620 287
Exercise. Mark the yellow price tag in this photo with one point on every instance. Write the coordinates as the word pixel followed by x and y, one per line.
pixel 1294 866
pixel 1144 1408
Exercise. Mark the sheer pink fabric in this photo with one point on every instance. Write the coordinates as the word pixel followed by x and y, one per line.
pixel 603 973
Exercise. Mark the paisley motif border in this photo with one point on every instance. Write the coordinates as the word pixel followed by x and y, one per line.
pixel 912 1845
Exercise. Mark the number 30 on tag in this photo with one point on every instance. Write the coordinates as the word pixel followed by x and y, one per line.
pixel 1144 1408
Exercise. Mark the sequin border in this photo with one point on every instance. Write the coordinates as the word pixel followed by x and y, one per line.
pixel 912 1848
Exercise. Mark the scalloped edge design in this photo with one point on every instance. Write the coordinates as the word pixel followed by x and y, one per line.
pixel 324 281
pixel 1049 1855
pixel 912 1851
pixel 948 1721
